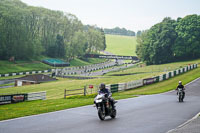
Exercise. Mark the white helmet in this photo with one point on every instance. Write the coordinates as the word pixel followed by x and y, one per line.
pixel 180 82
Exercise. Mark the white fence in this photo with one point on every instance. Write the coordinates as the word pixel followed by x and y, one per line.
pixel 37 96
pixel 134 84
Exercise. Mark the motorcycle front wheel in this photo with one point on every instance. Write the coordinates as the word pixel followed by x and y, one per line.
pixel 180 98
pixel 101 114
pixel 114 113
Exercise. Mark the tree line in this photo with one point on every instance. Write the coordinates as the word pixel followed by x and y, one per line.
pixel 119 31
pixel 170 40
pixel 27 32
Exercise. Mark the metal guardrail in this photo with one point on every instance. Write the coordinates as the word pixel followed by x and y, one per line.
pixel 21 97
pixel 132 84
pixel 36 96
pixel 26 73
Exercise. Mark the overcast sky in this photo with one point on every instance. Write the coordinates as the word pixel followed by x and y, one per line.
pixel 131 14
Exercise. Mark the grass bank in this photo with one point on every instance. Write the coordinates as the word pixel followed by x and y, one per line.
pixel 26 66
pixel 79 62
pixel 22 66
pixel 49 105
pixel 121 45
pixel 55 89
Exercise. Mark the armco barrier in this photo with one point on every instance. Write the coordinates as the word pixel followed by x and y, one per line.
pixel 167 75
pixel 170 74
pixel 36 96
pixel 160 78
pixel 12 98
pixel 156 79
pixel 174 73
pixel 138 83
pixel 108 87
pixel 148 81
pixel 134 84
pixel 121 86
pixel 114 88
pixel 177 72
pixel 25 73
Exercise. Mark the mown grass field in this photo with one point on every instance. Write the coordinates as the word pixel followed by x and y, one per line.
pixel 121 45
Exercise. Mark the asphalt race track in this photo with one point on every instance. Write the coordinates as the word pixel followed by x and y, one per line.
pixel 145 114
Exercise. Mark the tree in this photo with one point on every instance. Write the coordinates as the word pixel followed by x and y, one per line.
pixel 119 31
pixel 60 46
pixel 104 39
pixel 139 33
pixel 94 41
pixel 170 41
pixel 27 32
pixel 155 45
pixel 187 45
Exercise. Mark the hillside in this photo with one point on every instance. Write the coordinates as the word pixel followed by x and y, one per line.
pixel 121 45
pixel 24 66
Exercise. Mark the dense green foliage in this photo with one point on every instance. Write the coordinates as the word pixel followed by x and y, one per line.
pixel 170 40
pixel 27 32
pixel 119 31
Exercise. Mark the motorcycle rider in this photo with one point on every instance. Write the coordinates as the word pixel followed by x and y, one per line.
pixel 182 87
pixel 104 90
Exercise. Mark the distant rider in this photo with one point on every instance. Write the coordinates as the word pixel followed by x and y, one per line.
pixel 104 90
pixel 182 87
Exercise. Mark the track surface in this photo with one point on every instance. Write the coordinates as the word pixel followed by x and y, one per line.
pixel 145 114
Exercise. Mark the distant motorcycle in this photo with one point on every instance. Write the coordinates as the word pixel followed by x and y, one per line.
pixel 104 106
pixel 180 95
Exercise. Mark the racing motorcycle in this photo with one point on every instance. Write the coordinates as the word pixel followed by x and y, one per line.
pixel 180 95
pixel 104 106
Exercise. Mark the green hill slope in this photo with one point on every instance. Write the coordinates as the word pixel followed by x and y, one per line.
pixel 121 45
pixel 24 66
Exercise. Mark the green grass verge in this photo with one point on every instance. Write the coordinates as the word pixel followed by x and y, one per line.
pixel 79 62
pixel 22 66
pixel 7 84
pixel 166 85
pixel 26 66
pixel 121 45
pixel 55 89
pixel 42 106
pixel 11 77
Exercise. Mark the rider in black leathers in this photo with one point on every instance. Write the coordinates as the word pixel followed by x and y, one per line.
pixel 104 90
pixel 182 87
